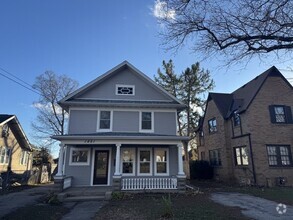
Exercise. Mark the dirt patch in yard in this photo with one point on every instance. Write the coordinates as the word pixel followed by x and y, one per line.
pixel 152 206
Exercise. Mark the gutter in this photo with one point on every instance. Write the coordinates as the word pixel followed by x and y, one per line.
pixel 251 153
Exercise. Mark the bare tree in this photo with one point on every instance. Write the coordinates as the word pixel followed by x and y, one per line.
pixel 239 29
pixel 51 117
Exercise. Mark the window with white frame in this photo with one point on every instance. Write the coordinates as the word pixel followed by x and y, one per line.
pixel 4 155
pixel 161 161
pixel 145 161
pixel 128 161
pixel 146 119
pixel 24 157
pixel 125 90
pixel 105 120
pixel 79 156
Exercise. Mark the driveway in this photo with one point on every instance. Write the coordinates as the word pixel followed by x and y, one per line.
pixel 12 201
pixel 254 207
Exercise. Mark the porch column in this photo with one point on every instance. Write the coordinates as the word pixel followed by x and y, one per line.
pixel 60 160
pixel 180 161
pixel 117 165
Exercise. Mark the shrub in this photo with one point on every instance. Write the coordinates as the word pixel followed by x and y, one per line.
pixel 117 195
pixel 201 169
pixel 167 203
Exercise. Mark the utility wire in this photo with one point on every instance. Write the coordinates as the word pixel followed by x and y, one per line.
pixel 14 76
pixel 27 86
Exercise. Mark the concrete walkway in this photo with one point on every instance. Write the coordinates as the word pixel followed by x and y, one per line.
pixel 12 201
pixel 84 210
pixel 254 207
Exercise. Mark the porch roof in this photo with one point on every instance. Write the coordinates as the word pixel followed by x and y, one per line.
pixel 120 136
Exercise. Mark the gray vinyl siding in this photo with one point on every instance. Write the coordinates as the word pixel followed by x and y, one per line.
pixel 165 123
pixel 82 121
pixel 125 121
pixel 81 174
pixel 107 88
pixel 85 122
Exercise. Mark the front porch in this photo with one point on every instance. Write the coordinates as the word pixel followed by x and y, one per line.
pixel 129 165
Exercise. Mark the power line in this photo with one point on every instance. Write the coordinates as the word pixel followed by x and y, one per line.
pixel 29 87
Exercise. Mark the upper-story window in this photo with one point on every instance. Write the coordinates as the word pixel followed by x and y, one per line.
pixel 105 120
pixel 125 90
pixel 212 125
pixel 147 121
pixel 24 157
pixel 280 114
pixel 236 119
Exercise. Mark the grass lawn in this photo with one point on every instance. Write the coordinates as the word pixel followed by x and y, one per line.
pixel 37 212
pixel 151 206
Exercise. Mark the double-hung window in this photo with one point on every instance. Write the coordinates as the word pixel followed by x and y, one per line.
pixel 280 114
pixel 144 162
pixel 279 155
pixel 236 119
pixel 215 157
pixel 146 121
pixel 162 161
pixel 128 161
pixel 24 157
pixel 4 155
pixel 105 120
pixel 241 156
pixel 212 125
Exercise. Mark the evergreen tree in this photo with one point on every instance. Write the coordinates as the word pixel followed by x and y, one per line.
pixel 189 87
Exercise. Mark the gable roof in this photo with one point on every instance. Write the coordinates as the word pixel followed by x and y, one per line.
pixel 113 71
pixel 18 132
pixel 241 98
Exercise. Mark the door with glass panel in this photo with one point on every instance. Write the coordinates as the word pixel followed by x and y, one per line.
pixel 101 167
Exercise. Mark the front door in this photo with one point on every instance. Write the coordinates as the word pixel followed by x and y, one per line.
pixel 101 167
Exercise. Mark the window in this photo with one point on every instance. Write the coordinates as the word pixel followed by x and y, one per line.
pixel 128 160
pixel 281 114
pixel 146 119
pixel 4 155
pixel 79 156
pixel 236 119
pixel 241 156
pixel 279 155
pixel 215 157
pixel 125 90
pixel 105 120
pixel 212 125
pixel 161 165
pixel 145 161
pixel 202 155
pixel 24 157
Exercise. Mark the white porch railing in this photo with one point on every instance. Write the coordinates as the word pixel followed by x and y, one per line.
pixel 148 183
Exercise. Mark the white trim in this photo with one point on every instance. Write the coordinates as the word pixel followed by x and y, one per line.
pixel 98 122
pixel 124 109
pixel 142 100
pixel 122 85
pixel 95 142
pixel 7 120
pixel 167 162
pixel 152 122
pixel 93 151
pixel 151 161
pixel 68 122
pixel 133 162
pixel 79 163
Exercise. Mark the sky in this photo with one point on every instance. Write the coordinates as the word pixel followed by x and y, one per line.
pixel 84 39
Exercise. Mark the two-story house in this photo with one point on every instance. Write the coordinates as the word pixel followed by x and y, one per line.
pixel 122 133
pixel 247 135
pixel 15 149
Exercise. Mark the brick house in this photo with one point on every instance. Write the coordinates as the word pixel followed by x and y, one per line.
pixel 247 135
